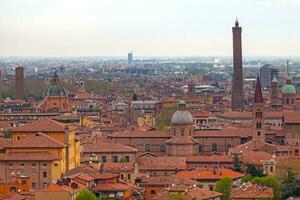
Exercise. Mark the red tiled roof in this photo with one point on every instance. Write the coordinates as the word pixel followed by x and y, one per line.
pixel 163 163
pixel 208 159
pixel 121 167
pixel 240 132
pixel 4 142
pixel 112 187
pixel 202 194
pixel 63 188
pixel 138 133
pixel 166 180
pixel 105 147
pixel 209 174
pixel 251 191
pixel 43 125
pixel 24 156
pixel 37 140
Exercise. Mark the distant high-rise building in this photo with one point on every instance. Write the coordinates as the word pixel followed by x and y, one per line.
pixel 237 99
pixel 267 73
pixel 19 82
pixel 130 58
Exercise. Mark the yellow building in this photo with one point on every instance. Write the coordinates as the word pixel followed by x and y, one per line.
pixel 58 132
pixel 146 120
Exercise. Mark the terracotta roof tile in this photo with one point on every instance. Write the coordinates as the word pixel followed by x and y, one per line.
pixel 166 181
pixel 105 147
pixel 163 163
pixel 208 159
pixel 251 191
pixel 209 174
pixel 37 140
pixel 24 156
pixel 112 187
pixel 139 133
pixel 43 125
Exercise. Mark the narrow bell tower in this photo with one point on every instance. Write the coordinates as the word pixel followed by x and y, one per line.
pixel 258 114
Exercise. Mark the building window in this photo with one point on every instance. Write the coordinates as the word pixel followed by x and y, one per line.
pixel 258 125
pixel 44 174
pixel 214 147
pixel 211 187
pixel 127 158
pixel 128 176
pixel 33 185
pixel 182 132
pixel 22 164
pixel 162 148
pixel 271 169
pixel 23 182
pixel 200 148
pixel 45 164
pixel 228 146
pixel 18 138
pixel 153 192
pixel 55 164
pixel 10 164
pixel 103 159
pixel 147 147
pixel 33 164
pixel 13 189
pixel 45 184
pixel 122 176
pixel 115 159
pixel 258 133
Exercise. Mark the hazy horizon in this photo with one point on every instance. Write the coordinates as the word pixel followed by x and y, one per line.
pixel 168 28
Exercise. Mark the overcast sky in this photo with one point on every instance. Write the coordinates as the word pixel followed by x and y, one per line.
pixel 147 27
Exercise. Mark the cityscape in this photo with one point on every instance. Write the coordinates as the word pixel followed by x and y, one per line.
pixel 159 120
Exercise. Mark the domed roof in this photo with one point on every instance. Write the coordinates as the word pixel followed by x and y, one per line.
pixel 182 116
pixel 289 88
pixel 55 89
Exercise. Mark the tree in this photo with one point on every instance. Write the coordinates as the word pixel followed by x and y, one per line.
pixel 236 163
pixel 254 171
pixel 224 186
pixel 246 179
pixel 269 181
pixel 86 195
pixel 123 160
pixel 164 117
pixel 177 196
pixel 290 186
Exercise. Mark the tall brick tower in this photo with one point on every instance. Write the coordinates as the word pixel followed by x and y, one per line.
pixel 258 114
pixel 237 99
pixel 19 82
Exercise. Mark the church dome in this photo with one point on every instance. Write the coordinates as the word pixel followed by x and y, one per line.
pixel 182 116
pixel 289 88
pixel 55 89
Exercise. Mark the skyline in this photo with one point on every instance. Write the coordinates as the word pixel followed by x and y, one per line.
pixel 148 28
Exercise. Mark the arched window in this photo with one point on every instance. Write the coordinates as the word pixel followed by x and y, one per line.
pixel 214 147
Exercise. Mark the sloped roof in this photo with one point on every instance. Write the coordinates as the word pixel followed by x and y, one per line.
pixel 251 191
pixel 43 125
pixel 37 140
pixel 209 174
pixel 106 147
pixel 28 156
